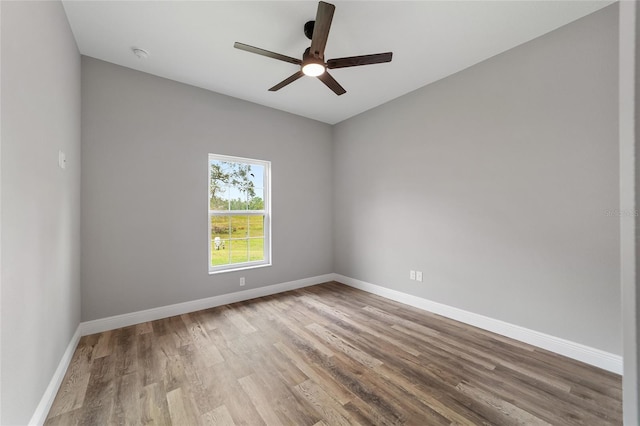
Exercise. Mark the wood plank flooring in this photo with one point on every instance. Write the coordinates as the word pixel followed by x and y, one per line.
pixel 325 355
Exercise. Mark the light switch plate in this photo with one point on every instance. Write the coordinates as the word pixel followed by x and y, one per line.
pixel 62 160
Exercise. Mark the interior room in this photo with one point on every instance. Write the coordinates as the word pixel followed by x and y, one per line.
pixel 437 227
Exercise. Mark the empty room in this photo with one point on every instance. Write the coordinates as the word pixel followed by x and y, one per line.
pixel 318 213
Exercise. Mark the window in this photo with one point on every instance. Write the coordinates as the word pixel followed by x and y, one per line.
pixel 239 213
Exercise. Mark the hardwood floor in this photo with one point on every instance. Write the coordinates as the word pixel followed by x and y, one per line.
pixel 325 355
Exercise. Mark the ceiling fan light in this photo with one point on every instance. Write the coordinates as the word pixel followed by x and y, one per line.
pixel 313 69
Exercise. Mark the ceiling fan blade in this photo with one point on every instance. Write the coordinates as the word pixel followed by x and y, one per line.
pixel 354 61
pixel 266 53
pixel 286 81
pixel 324 16
pixel 332 83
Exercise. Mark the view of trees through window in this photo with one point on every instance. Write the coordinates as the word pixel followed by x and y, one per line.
pixel 237 212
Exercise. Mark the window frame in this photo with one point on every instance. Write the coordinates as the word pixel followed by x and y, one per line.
pixel 266 212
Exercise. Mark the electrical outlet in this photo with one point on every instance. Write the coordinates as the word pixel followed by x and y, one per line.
pixel 419 276
pixel 241 281
pixel 412 275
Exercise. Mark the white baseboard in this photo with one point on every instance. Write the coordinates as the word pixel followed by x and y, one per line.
pixel 40 415
pixel 589 355
pixel 110 323
pixel 125 320
pixel 577 351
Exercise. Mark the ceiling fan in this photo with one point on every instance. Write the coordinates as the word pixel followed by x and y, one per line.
pixel 312 63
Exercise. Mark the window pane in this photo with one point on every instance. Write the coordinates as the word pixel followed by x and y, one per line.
pixel 256 226
pixel 239 251
pixel 219 251
pixel 220 226
pixel 256 200
pixel 257 175
pixel 239 226
pixel 256 249
pixel 219 198
pixel 238 198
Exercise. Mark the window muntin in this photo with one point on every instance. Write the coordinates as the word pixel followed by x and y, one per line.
pixel 239 213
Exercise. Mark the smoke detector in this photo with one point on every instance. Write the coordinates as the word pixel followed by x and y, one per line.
pixel 140 53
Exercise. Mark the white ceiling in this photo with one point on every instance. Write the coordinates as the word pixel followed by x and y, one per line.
pixel 192 42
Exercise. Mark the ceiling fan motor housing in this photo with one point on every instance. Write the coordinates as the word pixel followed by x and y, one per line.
pixel 308 57
pixel 311 65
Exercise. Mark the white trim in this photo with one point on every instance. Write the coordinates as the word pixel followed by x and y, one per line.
pixel 0 231
pixel 42 410
pixel 110 323
pixel 244 268
pixel 564 347
pixel 628 274
pixel 577 351
pixel 124 320
pixel 237 213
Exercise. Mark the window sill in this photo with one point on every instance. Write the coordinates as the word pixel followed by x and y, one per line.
pixel 241 268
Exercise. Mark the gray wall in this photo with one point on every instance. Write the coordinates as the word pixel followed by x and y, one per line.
pixel 495 183
pixel 144 189
pixel 40 202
